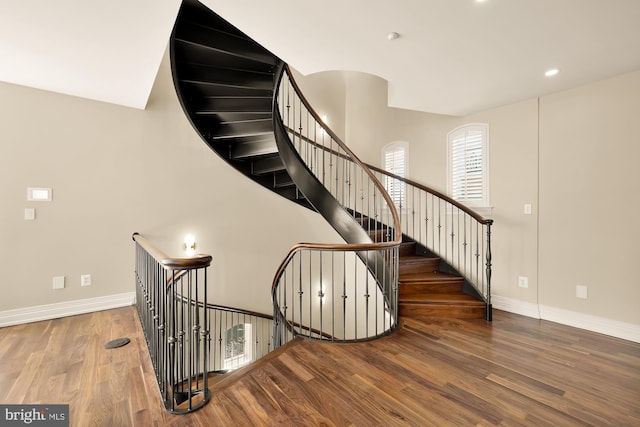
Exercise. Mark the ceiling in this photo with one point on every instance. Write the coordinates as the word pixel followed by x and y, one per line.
pixel 452 57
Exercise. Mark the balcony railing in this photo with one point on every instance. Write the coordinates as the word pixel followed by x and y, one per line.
pixel 176 330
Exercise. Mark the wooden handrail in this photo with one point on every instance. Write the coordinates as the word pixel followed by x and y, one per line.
pixel 422 187
pixel 345 247
pixel 351 154
pixel 170 263
pixel 444 197
pixel 242 311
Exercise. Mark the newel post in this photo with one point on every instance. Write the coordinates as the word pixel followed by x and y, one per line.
pixel 489 309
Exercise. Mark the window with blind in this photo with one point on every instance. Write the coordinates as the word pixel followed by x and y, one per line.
pixel 394 160
pixel 467 153
pixel 237 346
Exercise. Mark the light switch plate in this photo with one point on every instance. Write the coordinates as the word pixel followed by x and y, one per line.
pixel 39 194
pixel 29 214
pixel 58 282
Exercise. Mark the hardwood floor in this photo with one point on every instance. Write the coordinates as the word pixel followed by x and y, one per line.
pixel 431 372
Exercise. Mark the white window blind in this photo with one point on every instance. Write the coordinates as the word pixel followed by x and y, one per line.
pixel 237 346
pixel 467 155
pixel 394 161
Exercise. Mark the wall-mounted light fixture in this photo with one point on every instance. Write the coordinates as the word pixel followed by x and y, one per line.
pixel 323 121
pixel 189 244
pixel 321 293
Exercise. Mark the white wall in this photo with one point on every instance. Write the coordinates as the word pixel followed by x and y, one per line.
pixel 115 171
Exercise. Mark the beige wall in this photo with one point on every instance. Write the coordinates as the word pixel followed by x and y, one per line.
pixel 330 103
pixel 590 198
pixel 513 179
pixel 571 155
pixel 115 171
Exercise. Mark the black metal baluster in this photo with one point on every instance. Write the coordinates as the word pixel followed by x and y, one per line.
pixel 489 313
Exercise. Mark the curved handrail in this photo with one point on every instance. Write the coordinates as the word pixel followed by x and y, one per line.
pixel 171 263
pixel 351 247
pixel 352 155
pixel 241 311
pixel 442 196
pixel 378 257
pixel 416 184
pixel 460 236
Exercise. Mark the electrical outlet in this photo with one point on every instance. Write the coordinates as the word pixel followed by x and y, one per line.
pixel 58 282
pixel 582 292
pixel 523 281
pixel 85 280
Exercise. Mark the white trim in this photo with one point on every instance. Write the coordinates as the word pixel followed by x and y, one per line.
pixel 396 146
pixel 614 328
pixel 63 309
pixel 601 325
pixel 486 189
pixel 515 306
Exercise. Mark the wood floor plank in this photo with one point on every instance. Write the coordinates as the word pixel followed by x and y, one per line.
pixel 514 371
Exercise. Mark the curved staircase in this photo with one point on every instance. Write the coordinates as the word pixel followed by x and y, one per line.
pixel 225 82
pixel 227 85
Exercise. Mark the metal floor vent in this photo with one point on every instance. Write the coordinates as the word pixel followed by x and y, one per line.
pixel 118 342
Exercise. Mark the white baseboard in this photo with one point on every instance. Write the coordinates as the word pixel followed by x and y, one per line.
pixel 601 325
pixel 614 328
pixel 515 306
pixel 63 309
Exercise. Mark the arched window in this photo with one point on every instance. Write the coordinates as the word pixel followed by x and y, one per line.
pixel 395 158
pixel 468 164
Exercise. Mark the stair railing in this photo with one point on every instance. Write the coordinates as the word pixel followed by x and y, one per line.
pixel 168 291
pixel 236 338
pixel 448 229
pixel 337 292
pixel 442 225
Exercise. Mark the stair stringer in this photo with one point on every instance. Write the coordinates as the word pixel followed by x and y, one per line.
pixel 334 213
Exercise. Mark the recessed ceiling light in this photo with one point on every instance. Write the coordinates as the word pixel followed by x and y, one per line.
pixel 552 72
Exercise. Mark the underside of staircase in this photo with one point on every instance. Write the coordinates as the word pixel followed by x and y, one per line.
pixel 225 82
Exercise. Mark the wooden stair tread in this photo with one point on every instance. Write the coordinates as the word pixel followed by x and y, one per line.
pixel 433 276
pixel 444 298
pixel 418 258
